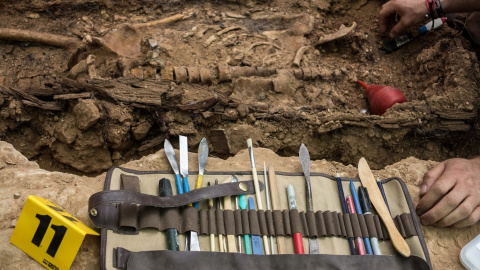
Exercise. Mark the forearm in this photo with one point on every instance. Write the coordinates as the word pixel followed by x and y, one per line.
pixel 456 6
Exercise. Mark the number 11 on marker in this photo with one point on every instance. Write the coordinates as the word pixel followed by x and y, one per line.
pixel 42 229
pixel 48 233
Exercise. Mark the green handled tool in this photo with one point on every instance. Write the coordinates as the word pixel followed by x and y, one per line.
pixel 242 203
pixel 165 190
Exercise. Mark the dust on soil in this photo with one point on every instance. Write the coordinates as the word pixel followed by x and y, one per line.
pixel 223 70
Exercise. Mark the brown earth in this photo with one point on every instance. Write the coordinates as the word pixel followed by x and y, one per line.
pixel 118 86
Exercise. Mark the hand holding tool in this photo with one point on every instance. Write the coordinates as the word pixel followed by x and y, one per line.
pixel 297 237
pixel 305 161
pixel 172 158
pixel 276 206
pixel 366 205
pixel 358 240
pixel 358 209
pixel 242 203
pixel 165 190
pixel 344 210
pixel 368 181
pixel 257 190
pixel 202 161
pixel 394 44
pixel 257 248
pixel 382 97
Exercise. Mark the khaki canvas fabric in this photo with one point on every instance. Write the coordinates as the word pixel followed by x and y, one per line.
pixel 325 198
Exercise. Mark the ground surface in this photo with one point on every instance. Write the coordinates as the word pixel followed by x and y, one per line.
pixel 225 70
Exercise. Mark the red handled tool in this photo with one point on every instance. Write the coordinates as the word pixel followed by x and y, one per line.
pixel 297 237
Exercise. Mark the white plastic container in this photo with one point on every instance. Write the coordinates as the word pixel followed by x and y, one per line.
pixel 470 254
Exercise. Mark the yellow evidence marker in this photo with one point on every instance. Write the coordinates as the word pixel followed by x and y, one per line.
pixel 49 234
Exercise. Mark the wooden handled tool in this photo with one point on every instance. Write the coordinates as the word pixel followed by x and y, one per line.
pixel 368 181
pixel 227 205
pixel 276 206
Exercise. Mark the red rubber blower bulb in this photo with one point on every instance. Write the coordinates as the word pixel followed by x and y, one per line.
pixel 382 97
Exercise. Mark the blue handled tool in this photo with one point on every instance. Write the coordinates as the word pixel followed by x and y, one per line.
pixel 257 247
pixel 172 158
pixel 366 205
pixel 358 208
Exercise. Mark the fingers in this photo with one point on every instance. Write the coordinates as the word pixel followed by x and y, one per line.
pixel 453 207
pixel 470 220
pixel 451 194
pixel 388 9
pixel 431 176
pixel 399 28
pixel 461 212
pixel 437 190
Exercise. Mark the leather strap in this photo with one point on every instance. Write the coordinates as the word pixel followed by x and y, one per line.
pixel 166 259
pixel 103 206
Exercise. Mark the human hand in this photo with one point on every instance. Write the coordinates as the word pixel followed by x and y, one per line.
pixel 401 14
pixel 451 194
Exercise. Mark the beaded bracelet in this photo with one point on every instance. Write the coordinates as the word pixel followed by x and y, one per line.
pixel 434 9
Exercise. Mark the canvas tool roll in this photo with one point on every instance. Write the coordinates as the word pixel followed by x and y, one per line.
pixel 133 219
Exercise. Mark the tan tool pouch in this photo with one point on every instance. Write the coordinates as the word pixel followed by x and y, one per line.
pixel 133 218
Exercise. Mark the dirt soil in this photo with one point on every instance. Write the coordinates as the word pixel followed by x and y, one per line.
pixel 118 77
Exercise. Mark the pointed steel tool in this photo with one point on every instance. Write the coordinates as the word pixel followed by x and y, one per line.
pixel 237 206
pixel 172 158
pixel 184 162
pixel 202 161
pixel 305 161
pixel 221 246
pixel 192 243
pixel 368 181
pixel 165 190
pixel 267 193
